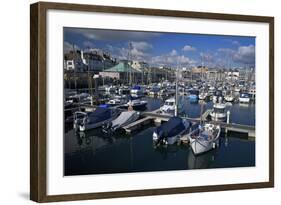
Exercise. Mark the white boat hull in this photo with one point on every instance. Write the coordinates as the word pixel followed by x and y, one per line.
pixel 86 127
pixel 200 145
pixel 218 116
pixel 244 100
pixel 229 99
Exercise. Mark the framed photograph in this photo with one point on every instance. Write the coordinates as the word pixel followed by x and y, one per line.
pixel 135 102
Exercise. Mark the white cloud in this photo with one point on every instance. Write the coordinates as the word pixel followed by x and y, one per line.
pixel 123 53
pixel 172 59
pixel 188 48
pixel 67 47
pixel 141 45
pixel 245 54
pixel 207 57
pixel 226 51
pixel 173 53
pixel 233 42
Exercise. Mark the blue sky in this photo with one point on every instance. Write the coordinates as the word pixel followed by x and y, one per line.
pixel 169 49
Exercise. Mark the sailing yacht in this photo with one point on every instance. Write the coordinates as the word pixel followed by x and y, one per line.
pixel 205 138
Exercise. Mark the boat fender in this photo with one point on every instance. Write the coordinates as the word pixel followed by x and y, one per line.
pixel 214 145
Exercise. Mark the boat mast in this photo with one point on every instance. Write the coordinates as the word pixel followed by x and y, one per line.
pixel 201 113
pixel 130 67
pixel 202 65
pixel 176 106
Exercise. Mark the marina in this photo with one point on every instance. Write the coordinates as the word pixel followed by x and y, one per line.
pixel 135 142
pixel 126 110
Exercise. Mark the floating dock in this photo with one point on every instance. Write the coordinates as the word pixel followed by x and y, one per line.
pixel 157 117
pixel 138 124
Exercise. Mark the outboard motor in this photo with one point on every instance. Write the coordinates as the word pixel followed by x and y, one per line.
pixel 107 127
pixel 157 136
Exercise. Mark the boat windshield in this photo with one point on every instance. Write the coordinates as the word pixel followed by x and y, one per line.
pixel 244 95
pixel 219 110
pixel 169 103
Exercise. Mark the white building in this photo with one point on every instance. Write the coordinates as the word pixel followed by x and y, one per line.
pixel 92 60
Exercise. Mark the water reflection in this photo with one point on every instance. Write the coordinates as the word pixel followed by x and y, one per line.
pixel 202 161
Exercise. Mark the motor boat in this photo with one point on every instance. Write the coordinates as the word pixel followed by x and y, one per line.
pixel 137 90
pixel 169 106
pixel 123 90
pixel 193 96
pixel 205 138
pixel 135 104
pixel 219 113
pixel 154 91
pixel 122 120
pixel 90 120
pixel 204 96
pixel 78 97
pixel 229 98
pixel 110 89
pixel 244 98
pixel 217 96
pixel 117 100
pixel 170 131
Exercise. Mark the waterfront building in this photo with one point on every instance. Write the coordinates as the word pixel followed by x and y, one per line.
pixel 91 59
pixel 123 72
pixel 73 61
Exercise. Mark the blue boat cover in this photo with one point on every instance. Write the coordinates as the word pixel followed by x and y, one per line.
pixel 137 87
pixel 104 106
pixel 193 97
pixel 194 92
pixel 171 128
pixel 100 114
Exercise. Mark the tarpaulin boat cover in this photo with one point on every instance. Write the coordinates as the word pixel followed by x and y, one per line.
pixel 123 118
pixel 100 114
pixel 171 128
pixel 137 87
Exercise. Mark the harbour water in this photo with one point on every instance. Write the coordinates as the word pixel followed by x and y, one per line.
pixel 94 152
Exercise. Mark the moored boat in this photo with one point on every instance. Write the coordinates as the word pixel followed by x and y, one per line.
pixel 90 120
pixel 169 106
pixel 244 98
pixel 229 98
pixel 218 113
pixel 137 90
pixel 193 96
pixel 205 138
pixel 154 91
pixel 122 120
pixel 135 104
pixel 169 132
